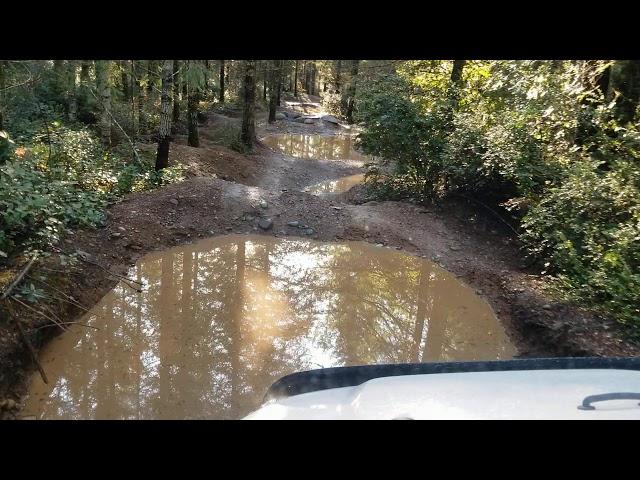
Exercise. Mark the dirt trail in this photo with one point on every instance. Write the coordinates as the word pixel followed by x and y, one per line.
pixel 225 192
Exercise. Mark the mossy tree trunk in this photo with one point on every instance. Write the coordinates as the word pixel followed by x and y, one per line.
pixel 104 95
pixel 248 132
pixel 193 98
pixel 164 132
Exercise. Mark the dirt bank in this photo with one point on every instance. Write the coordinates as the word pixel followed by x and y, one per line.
pixel 456 235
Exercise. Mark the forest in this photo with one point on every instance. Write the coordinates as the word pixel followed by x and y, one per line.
pixel 549 149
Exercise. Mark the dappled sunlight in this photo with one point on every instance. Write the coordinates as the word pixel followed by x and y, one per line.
pixel 339 185
pixel 319 147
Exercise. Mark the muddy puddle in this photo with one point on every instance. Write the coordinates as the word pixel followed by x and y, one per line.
pixel 218 321
pixel 319 147
pixel 339 185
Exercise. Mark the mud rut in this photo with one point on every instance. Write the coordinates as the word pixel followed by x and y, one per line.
pixel 226 194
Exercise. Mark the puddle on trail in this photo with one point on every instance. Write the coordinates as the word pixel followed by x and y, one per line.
pixel 336 186
pixel 218 321
pixel 320 147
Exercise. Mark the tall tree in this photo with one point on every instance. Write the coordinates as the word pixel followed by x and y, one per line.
pixel 456 73
pixel 71 89
pixel 193 99
pixel 140 96
pixel 104 95
pixel 84 90
pixel 351 91
pixel 625 80
pixel 454 90
pixel 164 132
pixel 59 81
pixel 248 132
pixel 125 80
pixel 274 82
pixel 264 79
pixel 279 83
pixel 221 93
pixel 295 80
pixel 176 92
pixel 3 88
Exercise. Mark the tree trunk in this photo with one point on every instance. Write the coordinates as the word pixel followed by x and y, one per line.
pixel 132 76
pixel 338 66
pixel 124 79
pixel 279 86
pixel 104 94
pixel 71 85
pixel 295 81
pixel 264 79
pixel 139 72
pixel 193 96
pixel 176 92
pixel 274 80
pixel 454 91
pixel 151 71
pixel 164 138
pixel 456 73
pixel 83 90
pixel 3 96
pixel 59 81
pixel 352 91
pixel 625 79
pixel 221 93
pixel 248 133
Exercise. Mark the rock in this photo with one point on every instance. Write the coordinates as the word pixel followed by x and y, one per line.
pixel 122 229
pixel 547 306
pixel 299 119
pixel 379 245
pixel 173 201
pixel 264 204
pixel 309 121
pixel 10 404
pixel 280 116
pixel 228 228
pixel 265 223
pixel 248 218
pixel 292 115
pixel 116 235
pixel 336 208
pixel 309 231
pixel 331 119
pixel 455 248
pixel 293 223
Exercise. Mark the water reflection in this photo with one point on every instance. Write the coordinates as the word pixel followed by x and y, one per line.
pixel 220 320
pixel 320 147
pixel 336 186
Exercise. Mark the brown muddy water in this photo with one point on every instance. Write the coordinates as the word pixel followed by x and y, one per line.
pixel 320 147
pixel 339 185
pixel 218 321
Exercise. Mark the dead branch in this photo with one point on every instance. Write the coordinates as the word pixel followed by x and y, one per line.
pixel 18 279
